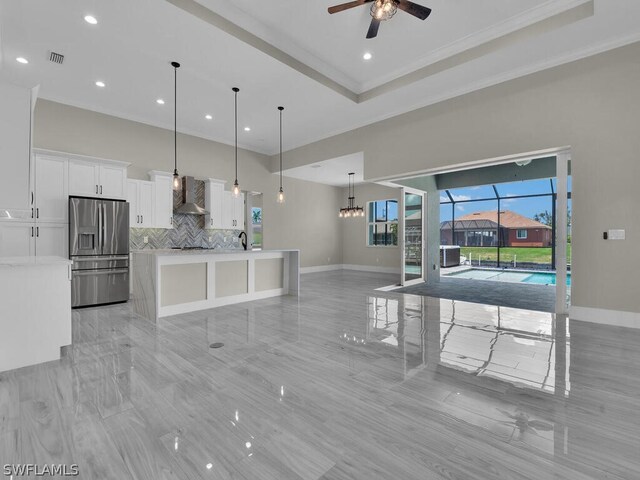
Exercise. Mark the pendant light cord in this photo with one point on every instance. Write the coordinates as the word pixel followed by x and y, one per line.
pixel 281 109
pixel 175 119
pixel 236 90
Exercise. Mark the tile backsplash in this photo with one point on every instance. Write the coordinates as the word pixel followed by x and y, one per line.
pixel 187 231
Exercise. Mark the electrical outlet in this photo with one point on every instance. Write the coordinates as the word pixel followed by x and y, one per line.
pixel 145 239
pixel 210 239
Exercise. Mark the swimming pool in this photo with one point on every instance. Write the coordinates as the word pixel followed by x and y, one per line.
pixel 537 278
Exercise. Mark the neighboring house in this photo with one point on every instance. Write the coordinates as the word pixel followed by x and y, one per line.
pixel 480 229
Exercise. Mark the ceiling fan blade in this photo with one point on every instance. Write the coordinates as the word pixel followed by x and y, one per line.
pixel 373 28
pixel 414 9
pixel 347 6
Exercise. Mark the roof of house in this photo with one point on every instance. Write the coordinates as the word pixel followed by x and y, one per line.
pixel 508 219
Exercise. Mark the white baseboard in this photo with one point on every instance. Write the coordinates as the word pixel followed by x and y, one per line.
pixel 339 266
pixel 371 268
pixel 321 268
pixel 603 316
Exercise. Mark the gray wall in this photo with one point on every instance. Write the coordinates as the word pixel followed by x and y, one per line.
pixel 591 105
pixel 306 221
pixel 354 231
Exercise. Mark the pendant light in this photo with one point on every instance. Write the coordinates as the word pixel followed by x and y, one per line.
pixel 177 183
pixel 236 185
pixel 351 210
pixel 280 197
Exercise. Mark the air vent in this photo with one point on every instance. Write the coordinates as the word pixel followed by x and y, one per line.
pixel 56 57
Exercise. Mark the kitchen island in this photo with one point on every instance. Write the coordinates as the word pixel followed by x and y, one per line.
pixel 170 282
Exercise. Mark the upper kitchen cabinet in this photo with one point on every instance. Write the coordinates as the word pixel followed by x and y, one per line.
pixel 140 197
pixel 51 188
pixel 232 212
pixel 238 212
pixel 213 203
pixel 163 199
pixel 15 152
pixel 99 178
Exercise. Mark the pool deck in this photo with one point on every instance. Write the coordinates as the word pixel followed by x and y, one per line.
pixel 516 295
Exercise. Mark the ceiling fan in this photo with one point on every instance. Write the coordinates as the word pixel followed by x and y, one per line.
pixel 383 10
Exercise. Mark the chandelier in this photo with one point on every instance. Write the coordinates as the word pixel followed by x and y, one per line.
pixel 351 210
pixel 384 9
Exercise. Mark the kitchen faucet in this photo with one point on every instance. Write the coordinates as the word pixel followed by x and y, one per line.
pixel 244 240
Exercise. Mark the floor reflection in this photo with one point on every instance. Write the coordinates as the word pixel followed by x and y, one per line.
pixel 338 383
pixel 512 345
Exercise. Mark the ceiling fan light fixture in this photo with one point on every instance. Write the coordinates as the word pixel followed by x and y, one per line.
pixel 384 9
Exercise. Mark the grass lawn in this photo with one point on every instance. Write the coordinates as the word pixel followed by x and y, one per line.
pixel 523 254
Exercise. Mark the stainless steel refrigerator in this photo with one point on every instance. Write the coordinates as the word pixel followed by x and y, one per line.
pixel 99 248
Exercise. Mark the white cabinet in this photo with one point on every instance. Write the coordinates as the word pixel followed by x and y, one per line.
pixel 226 212
pixel 140 198
pixel 17 239
pixel 15 152
pixel 52 239
pixel 84 178
pixel 51 189
pixel 238 212
pixel 213 200
pixel 163 199
pixel 100 179
pixel 113 181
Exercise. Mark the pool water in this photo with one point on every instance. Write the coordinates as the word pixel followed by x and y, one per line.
pixel 539 278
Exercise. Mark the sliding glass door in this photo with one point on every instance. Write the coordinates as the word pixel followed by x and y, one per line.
pixel 412 239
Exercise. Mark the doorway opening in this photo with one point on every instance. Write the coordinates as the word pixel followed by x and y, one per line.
pixel 500 234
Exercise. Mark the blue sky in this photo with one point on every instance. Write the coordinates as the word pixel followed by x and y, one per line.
pixel 524 206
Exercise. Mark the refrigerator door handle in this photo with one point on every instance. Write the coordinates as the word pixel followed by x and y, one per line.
pixel 104 221
pixel 99 228
pixel 84 273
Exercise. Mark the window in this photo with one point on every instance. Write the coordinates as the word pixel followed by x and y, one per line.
pixel 382 223
pixel 256 227
pixel 521 234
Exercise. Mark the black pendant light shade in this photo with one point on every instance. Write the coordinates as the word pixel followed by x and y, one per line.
pixel 177 183
pixel 280 197
pixel 351 210
pixel 236 185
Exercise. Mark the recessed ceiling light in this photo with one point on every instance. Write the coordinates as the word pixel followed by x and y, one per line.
pixel 160 101
pixel 367 56
pixel 208 117
pixel 247 129
pixel 91 19
pixel 22 60
pixel 100 84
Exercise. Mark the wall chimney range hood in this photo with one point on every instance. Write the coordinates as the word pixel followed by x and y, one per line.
pixel 189 207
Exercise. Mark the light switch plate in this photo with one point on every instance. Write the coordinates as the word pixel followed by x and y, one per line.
pixel 616 234
pixel 145 239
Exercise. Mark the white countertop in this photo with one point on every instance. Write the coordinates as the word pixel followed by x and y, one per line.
pixel 32 261
pixel 216 251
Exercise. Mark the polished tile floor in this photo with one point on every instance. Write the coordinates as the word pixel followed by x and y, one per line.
pixel 344 382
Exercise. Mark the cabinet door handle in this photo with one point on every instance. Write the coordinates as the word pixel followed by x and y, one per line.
pixel 141 218
pixel 37 231
pixel 31 198
pixel 32 231
pixel 96 189
pixel 31 212
pixel 37 213
pixel 171 220
pixel 100 189
pixel 137 218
